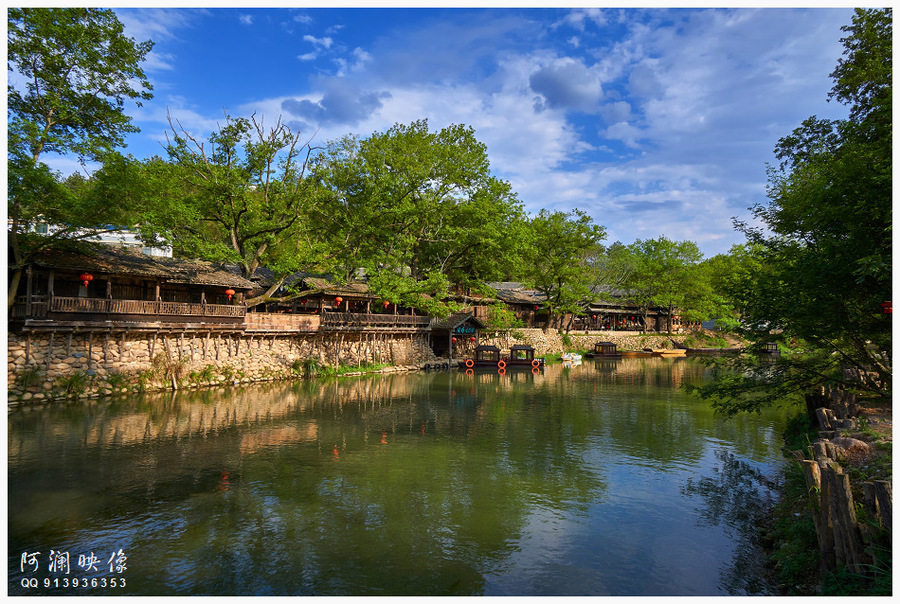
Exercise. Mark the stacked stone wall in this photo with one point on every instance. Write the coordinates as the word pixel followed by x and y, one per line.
pixel 552 342
pixel 44 366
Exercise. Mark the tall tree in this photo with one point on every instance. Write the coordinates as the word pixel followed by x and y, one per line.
pixel 240 197
pixel 825 261
pixel 557 248
pixel 419 210
pixel 667 274
pixel 70 71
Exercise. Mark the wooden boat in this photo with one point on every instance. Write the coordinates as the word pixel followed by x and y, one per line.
pixel 669 352
pixel 709 351
pixel 770 349
pixel 713 351
pixel 636 354
pixel 604 350
pixel 489 357
pixel 485 356
pixel 522 355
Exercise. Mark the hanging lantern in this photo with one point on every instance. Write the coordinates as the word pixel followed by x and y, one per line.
pixel 229 292
pixel 86 278
pixel 887 308
pixel 471 338
pixel 338 300
pixel 386 303
pixel 453 339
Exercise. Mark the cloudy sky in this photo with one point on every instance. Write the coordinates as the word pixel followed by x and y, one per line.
pixel 655 121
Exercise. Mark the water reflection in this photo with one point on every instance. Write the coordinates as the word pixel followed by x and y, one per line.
pixel 439 483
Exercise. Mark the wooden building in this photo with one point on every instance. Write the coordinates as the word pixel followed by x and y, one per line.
pixel 456 334
pixel 110 285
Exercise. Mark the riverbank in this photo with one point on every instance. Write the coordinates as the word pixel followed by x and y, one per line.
pixel 790 535
pixel 86 365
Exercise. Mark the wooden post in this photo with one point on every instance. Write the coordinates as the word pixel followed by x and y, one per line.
pixel 49 352
pixel 29 274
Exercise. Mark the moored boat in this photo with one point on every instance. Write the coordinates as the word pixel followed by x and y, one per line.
pixel 636 354
pixel 522 355
pixel 669 352
pixel 604 350
pixel 571 356
pixel 489 357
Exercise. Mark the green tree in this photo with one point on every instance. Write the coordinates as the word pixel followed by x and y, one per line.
pixel 824 262
pixel 558 247
pixel 70 73
pixel 241 197
pixel 667 274
pixel 417 209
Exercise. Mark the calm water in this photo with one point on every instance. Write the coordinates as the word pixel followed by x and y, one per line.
pixel 601 479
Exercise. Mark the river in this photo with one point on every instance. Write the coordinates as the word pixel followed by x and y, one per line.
pixel 598 479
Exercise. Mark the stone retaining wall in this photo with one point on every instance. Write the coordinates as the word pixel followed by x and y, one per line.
pixel 60 365
pixel 552 342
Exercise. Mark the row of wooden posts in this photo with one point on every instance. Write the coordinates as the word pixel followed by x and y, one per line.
pixel 844 540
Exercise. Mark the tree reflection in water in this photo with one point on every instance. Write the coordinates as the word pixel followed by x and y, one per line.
pixel 737 496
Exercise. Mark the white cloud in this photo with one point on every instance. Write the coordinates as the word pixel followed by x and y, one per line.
pixel 325 42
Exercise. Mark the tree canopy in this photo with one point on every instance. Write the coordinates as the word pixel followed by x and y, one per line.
pixel 822 266
pixel 418 210
pixel 556 252
pixel 71 71
pixel 240 197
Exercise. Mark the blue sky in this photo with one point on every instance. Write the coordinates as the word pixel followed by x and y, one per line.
pixel 654 121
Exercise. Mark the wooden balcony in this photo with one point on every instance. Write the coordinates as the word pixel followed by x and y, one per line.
pixel 65 312
pixel 346 321
pixel 143 307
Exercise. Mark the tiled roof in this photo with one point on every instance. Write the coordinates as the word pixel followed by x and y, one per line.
pixel 111 260
pixel 455 320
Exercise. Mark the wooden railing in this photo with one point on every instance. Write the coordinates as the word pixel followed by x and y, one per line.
pixel 143 307
pixel 259 321
pixel 347 320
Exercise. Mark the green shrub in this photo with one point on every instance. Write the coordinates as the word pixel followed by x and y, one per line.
pixel 74 385
pixel 30 376
pixel 118 380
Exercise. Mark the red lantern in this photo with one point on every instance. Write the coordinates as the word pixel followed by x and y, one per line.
pixel 386 303
pixel 454 340
pixel 887 308
pixel 338 300
pixel 472 338
pixel 86 278
pixel 229 292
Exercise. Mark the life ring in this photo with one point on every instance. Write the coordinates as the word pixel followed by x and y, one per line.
pixel 470 363
pixel 501 364
pixel 535 363
pixel 427 366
